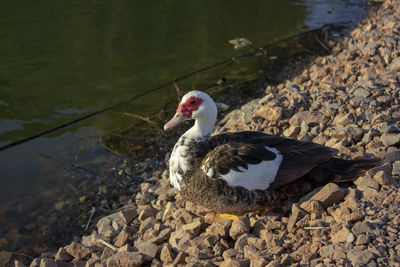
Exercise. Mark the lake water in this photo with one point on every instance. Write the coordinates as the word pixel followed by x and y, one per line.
pixel 62 59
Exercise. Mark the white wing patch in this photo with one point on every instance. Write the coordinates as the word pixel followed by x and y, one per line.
pixel 257 176
pixel 179 163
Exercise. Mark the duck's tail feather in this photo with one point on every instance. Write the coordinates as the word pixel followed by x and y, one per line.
pixel 340 170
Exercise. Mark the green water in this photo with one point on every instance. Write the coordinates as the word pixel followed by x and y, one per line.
pixel 61 59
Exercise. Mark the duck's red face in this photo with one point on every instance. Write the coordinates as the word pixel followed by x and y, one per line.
pixel 191 104
pixel 184 112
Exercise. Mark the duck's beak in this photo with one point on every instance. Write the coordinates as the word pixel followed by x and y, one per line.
pixel 177 119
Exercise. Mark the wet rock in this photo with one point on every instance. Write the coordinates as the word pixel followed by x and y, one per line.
pixel 127 215
pixel 239 226
pixel 359 257
pixel 123 259
pixel 78 251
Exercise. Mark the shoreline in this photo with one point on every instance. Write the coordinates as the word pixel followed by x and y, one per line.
pixel 348 100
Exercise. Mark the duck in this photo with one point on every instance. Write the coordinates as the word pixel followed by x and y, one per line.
pixel 235 173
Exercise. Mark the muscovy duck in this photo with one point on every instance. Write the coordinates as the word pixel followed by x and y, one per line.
pixel 240 172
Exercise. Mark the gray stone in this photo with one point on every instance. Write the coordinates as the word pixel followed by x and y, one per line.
pixel 390 139
pixel 396 168
pixel 362 227
pixel 370 49
pixel 78 251
pixel 239 226
pixel 241 242
pixel 357 256
pixel 147 249
pixel 361 92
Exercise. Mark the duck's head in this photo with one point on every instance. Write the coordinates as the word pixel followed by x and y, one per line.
pixel 195 105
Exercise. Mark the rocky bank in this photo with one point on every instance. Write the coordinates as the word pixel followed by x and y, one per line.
pixel 349 100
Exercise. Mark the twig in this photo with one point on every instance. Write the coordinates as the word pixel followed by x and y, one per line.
pixel 139 117
pixel 178 91
pixel 322 44
pixel 92 211
pixel 316 228
pixel 107 244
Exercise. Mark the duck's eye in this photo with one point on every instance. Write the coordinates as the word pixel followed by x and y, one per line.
pixel 192 102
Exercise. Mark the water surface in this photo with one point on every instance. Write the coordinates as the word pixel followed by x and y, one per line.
pixel 61 59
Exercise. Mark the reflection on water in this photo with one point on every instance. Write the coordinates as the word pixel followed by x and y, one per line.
pixel 61 59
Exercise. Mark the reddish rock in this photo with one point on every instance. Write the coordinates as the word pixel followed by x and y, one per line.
pixel 256 242
pixel 220 228
pixel 121 238
pixel 147 249
pixel 269 113
pixel 124 259
pixel 63 255
pixel 312 206
pixel 146 212
pixel 181 216
pixel 78 251
pixel 239 227
pixel 297 212
pixel 193 227
pixel 162 236
pixel 360 257
pixel 166 254
pixel 343 235
pixel 236 263
pixel 329 195
pixel 128 215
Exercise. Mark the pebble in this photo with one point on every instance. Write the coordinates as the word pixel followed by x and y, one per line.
pixel 349 101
